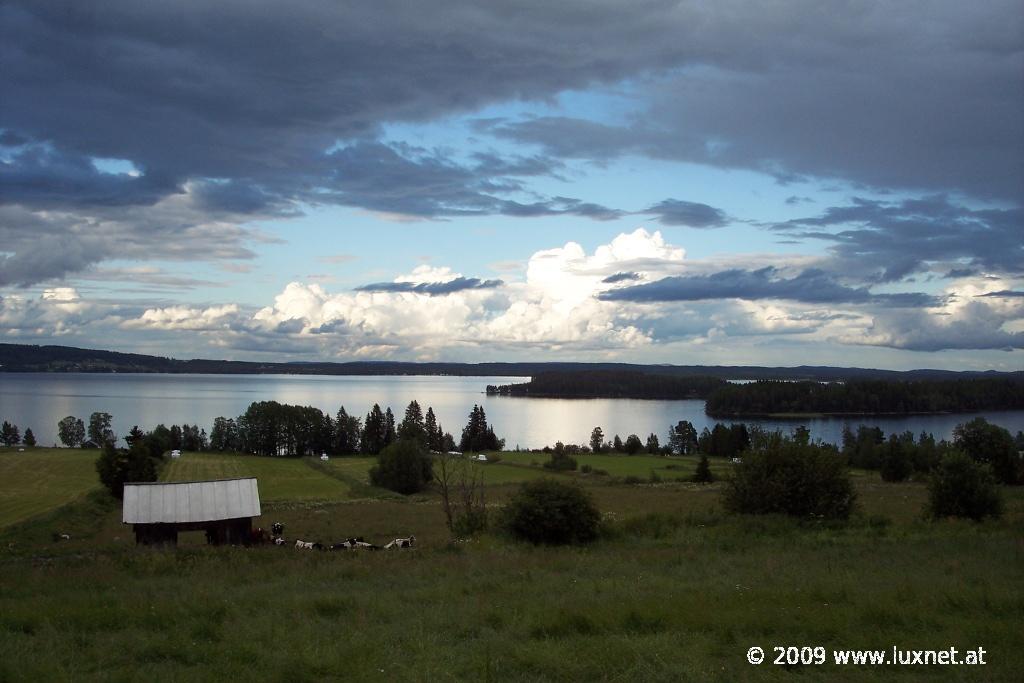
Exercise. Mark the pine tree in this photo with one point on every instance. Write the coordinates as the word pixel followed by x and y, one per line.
pixel 703 474
pixel 435 437
pixel 374 432
pixel 10 435
pixel 346 433
pixel 134 436
pixel 390 435
pixel 30 438
pixel 175 437
pixel 477 435
pixel 413 426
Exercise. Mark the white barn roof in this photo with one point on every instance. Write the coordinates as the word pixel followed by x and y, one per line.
pixel 191 501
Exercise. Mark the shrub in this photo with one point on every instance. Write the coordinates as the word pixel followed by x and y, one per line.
pixel 791 478
pixel 896 463
pixel 560 462
pixel 703 474
pixel 403 467
pixel 991 444
pixel 117 466
pixel 552 513
pixel 960 487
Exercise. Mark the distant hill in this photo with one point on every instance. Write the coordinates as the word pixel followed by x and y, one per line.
pixel 30 358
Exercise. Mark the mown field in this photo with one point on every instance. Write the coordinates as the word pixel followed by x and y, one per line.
pixel 675 590
pixel 39 479
pixel 280 479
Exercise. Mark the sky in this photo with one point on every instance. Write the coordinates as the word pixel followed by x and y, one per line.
pixel 727 183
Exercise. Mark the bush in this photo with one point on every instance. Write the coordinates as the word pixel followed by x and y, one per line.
pixel 703 474
pixel 404 467
pixel 117 466
pixel 552 513
pixel 560 462
pixel 896 463
pixel 960 487
pixel 993 445
pixel 791 478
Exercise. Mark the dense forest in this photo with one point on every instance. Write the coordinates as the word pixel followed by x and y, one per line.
pixel 609 384
pixel 868 397
pixel 32 358
pixel 773 397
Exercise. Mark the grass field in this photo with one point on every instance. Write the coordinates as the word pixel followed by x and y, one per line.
pixel 621 465
pixel 280 479
pixel 675 590
pixel 41 479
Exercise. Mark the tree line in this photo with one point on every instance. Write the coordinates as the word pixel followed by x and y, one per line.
pixel 896 457
pixel 276 429
pixel 10 435
pixel 272 428
pixel 768 397
pixel 609 384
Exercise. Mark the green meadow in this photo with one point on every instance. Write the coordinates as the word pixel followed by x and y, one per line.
pixel 35 480
pixel 280 479
pixel 674 590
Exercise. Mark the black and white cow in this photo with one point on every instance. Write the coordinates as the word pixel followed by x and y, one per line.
pixel 357 543
pixel 409 542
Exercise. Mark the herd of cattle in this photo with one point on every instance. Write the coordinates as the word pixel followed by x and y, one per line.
pixel 276 536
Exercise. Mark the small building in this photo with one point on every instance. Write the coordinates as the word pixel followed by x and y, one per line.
pixel 175 453
pixel 223 508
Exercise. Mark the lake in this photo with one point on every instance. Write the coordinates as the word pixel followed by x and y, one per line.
pixel 40 400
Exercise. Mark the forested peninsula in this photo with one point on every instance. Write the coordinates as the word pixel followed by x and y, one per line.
pixel 767 398
pixel 866 397
pixel 610 384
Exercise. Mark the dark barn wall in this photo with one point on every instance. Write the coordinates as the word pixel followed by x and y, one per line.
pixel 220 532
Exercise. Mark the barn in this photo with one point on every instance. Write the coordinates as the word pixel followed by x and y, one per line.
pixel 223 508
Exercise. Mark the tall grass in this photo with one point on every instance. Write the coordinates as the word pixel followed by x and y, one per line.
pixel 674 590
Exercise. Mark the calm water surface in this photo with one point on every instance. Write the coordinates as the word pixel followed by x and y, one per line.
pixel 40 400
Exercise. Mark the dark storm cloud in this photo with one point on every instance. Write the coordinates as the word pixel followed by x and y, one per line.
pixel 235 104
pixel 888 95
pixel 690 214
pixel 899 238
pixel 255 91
pixel 232 105
pixel 621 277
pixel 459 284
pixel 38 175
pixel 960 272
pixel 810 286
pixel 424 183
